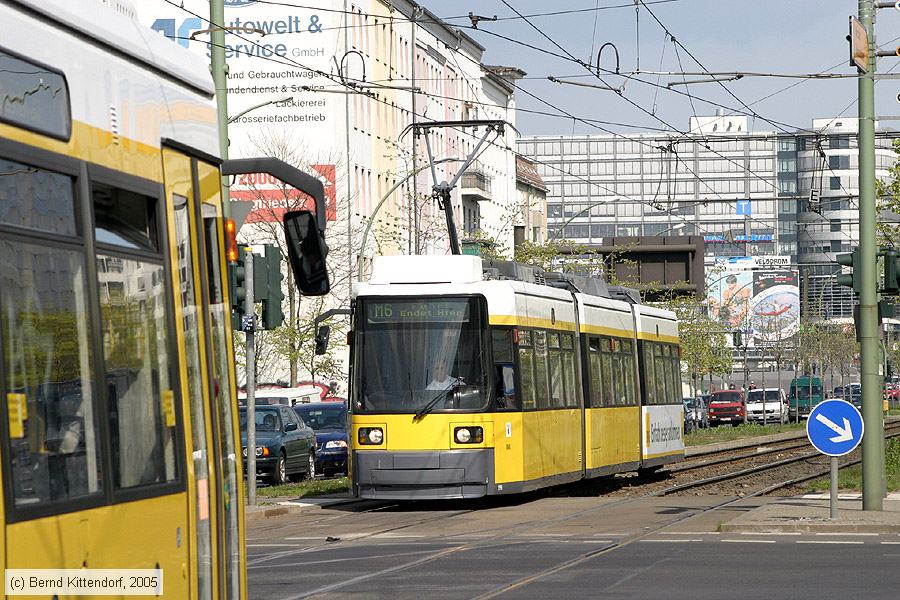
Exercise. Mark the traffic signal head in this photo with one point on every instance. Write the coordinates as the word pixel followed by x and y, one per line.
pixel 738 338
pixel 891 284
pixel 850 279
pixel 272 300
pixel 238 286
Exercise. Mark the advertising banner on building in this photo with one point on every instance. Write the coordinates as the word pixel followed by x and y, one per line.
pixel 280 56
pixel 763 302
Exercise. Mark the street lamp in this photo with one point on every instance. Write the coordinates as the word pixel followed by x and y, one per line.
pixel 387 194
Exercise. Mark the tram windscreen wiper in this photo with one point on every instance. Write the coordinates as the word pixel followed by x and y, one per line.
pixel 429 406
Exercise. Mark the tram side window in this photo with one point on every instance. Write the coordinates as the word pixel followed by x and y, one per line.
pixel 628 367
pixel 526 370
pixel 557 387
pixel 618 376
pixel 649 374
pixel 571 381
pixel 504 370
pixel 541 387
pixel 51 403
pixel 596 387
pixel 36 199
pixel 135 314
pixel 609 392
pixel 662 375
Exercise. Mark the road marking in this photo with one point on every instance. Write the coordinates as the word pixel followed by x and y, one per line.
pixel 828 542
pixel 750 541
pixel 891 543
pixel 689 532
pixel 273 545
pixel 396 535
pixel 548 535
pixel 676 541
pixel 771 533
pixel 850 534
pixel 596 541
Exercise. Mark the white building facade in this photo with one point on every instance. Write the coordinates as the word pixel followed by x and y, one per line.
pixel 334 87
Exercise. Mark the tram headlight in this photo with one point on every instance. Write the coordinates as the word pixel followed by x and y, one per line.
pixel 370 436
pixel 468 435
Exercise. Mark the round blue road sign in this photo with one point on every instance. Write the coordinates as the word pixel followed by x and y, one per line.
pixel 834 427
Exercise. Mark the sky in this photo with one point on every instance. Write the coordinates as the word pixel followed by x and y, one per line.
pixel 771 36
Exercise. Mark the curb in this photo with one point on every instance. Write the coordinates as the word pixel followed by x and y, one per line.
pixel 750 442
pixel 808 528
pixel 292 507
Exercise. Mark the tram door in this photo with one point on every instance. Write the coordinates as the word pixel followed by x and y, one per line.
pixel 186 253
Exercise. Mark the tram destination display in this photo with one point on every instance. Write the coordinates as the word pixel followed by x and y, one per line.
pixel 405 311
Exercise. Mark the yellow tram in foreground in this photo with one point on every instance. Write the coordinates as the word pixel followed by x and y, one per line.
pixel 472 379
pixel 119 448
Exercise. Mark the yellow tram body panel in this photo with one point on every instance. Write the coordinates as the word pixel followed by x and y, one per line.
pixel 613 436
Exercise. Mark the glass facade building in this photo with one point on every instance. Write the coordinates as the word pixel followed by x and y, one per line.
pixel 749 193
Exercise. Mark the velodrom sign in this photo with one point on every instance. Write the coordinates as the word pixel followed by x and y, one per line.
pixel 280 71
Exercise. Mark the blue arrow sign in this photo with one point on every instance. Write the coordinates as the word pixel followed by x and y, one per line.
pixel 834 427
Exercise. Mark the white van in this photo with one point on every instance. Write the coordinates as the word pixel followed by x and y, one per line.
pixel 775 406
pixel 286 396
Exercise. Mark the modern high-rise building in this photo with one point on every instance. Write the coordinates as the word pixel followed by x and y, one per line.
pixel 748 193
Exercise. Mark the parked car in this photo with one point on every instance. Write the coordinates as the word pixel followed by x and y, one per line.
pixel 284 396
pixel 853 394
pixel 726 406
pixel 891 392
pixel 329 421
pixel 285 445
pixel 696 414
pixel 767 405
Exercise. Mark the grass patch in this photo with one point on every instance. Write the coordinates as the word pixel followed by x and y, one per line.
pixel 851 477
pixel 305 489
pixel 894 412
pixel 726 433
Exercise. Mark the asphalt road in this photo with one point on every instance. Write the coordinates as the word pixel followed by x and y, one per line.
pixel 539 547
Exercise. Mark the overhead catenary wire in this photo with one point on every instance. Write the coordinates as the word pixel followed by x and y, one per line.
pixel 579 119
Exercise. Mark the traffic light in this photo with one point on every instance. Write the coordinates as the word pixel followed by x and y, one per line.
pixel 852 279
pixel 238 286
pixel 267 280
pixel 738 338
pixel 891 284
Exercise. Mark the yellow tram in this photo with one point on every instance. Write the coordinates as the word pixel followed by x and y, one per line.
pixel 119 450
pixel 470 380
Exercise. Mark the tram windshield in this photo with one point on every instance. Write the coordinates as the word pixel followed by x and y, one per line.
pixel 418 355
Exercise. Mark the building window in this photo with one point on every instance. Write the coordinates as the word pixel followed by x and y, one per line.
pixel 834 183
pixel 839 141
pixel 838 162
pixel 835 224
pixel 835 245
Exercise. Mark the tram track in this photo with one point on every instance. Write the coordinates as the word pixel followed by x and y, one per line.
pixel 507 534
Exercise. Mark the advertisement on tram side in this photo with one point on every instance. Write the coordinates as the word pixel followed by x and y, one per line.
pixel 663 430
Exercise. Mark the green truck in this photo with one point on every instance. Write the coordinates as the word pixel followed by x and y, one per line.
pixel 805 392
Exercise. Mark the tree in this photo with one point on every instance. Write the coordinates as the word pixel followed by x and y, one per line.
pixel 888 204
pixel 292 342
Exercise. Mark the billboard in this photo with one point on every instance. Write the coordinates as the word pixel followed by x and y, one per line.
pixel 279 58
pixel 756 295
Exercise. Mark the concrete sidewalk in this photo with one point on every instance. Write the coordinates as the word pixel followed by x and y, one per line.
pixel 811 514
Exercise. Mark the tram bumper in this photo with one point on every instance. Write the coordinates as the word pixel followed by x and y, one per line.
pixel 436 475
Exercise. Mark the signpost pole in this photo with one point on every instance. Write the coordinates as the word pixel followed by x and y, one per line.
pixel 250 351
pixel 219 68
pixel 834 487
pixel 867 326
